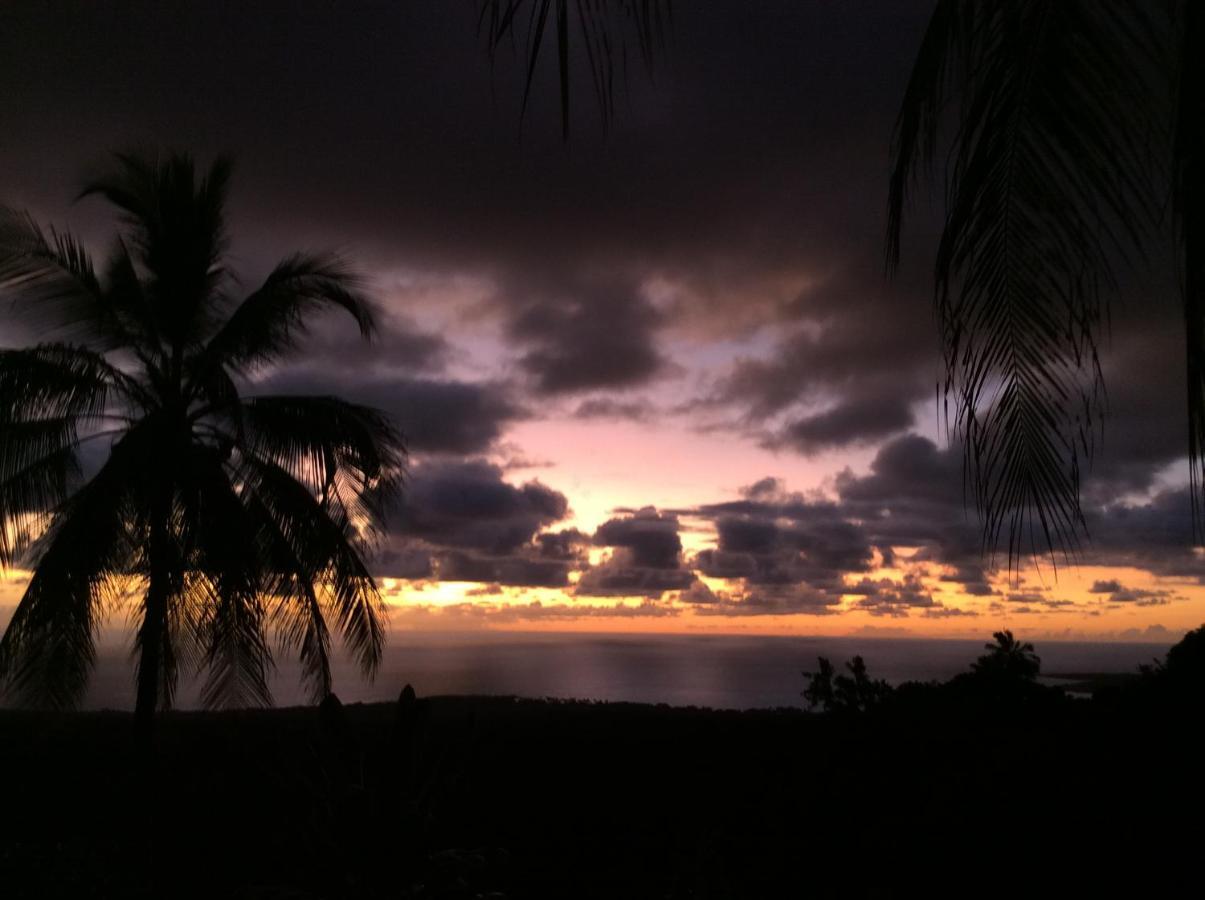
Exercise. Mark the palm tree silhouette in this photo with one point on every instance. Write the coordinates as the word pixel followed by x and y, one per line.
pixel 232 516
pixel 1008 658
pixel 1067 124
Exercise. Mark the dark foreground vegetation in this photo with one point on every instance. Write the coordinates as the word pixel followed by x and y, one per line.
pixel 990 784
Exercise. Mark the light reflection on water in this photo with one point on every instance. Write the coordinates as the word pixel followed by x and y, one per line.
pixel 718 671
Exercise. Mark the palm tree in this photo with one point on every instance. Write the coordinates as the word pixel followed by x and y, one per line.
pixel 1066 126
pixel 229 516
pixel 1008 659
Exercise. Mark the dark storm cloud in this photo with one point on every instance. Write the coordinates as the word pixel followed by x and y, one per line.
pixel 759 154
pixel 892 598
pixel 1119 593
pixel 1140 597
pixel 651 537
pixel 771 601
pixel 543 562
pixel 443 416
pixel 536 610
pixel 589 337
pixel 1144 425
pixel 1033 604
pixel 459 521
pixel 912 497
pixel 1035 600
pixel 608 408
pixel 467 505
pixel 622 576
pixel 510 570
pixel 567 545
pixel 435 415
pixel 856 421
pixel 791 551
pixel 949 612
pixel 720 564
pixel 763 487
pixel 380 129
pixel 751 536
pixel 1156 535
pixel 399 345
pixel 646 559
pixel 412 563
pixel 973 579
pixel 758 160
pixel 784 540
pixel 848 374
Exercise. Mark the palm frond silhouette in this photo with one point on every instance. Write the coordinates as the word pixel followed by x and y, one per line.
pixel 1065 124
pixel 233 517
pixel 606 31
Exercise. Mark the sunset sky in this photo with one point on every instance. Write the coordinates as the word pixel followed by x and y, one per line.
pixel 654 379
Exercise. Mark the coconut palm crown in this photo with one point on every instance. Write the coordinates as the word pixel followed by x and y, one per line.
pixel 1061 131
pixel 1008 658
pixel 218 519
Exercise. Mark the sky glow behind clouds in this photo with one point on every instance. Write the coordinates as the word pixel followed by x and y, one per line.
pixel 601 350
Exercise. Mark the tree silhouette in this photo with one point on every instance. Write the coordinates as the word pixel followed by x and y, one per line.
pixel 1186 660
pixel 1008 659
pixel 233 516
pixel 1066 126
pixel 820 691
pixel 1183 669
pixel 855 692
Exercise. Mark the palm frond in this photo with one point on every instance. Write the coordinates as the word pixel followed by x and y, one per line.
pixel 269 322
pixel 301 623
pixel 346 452
pixel 238 659
pixel 50 282
pixel 606 29
pixel 297 615
pixel 48 648
pixel 218 608
pixel 342 580
pixel 1189 174
pixel 1048 184
pixel 175 218
pixel 47 395
pixel 921 113
pixel 58 380
pixel 126 296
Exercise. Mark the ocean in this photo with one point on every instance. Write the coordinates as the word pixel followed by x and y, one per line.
pixel 729 672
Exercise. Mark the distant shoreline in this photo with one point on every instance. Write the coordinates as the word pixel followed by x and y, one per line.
pixel 713 672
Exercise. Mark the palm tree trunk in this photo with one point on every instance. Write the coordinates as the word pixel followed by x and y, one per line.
pixel 151 638
pixel 154 627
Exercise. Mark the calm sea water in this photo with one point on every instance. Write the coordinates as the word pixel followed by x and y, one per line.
pixel 682 670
